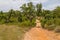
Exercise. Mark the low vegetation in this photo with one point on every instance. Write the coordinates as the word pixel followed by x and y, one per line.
pixel 25 18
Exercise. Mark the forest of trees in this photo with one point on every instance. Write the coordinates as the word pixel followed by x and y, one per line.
pixel 27 14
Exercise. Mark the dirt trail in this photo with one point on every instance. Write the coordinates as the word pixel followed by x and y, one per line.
pixel 40 34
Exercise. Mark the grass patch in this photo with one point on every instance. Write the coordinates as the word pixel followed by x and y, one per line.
pixel 12 32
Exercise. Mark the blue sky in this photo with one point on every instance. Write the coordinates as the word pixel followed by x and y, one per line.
pixel 6 5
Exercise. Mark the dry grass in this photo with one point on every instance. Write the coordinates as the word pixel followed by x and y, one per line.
pixel 12 32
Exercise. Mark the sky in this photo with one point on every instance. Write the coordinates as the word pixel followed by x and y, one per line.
pixel 6 5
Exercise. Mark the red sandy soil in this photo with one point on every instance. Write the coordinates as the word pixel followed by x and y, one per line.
pixel 41 34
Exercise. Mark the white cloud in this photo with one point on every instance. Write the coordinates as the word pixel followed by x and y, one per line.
pixel 15 4
pixel 6 2
pixel 5 5
pixel 9 4
pixel 51 7
pixel 39 1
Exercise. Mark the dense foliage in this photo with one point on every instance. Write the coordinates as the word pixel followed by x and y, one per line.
pixel 50 19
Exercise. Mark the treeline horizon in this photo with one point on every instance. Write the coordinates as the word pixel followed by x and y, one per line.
pixel 27 14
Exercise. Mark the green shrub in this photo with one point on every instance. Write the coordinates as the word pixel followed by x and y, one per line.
pixel 57 29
